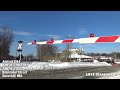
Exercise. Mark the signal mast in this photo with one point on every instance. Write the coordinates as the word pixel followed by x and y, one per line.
pixel 19 48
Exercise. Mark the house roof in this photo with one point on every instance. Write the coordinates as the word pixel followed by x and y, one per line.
pixel 79 56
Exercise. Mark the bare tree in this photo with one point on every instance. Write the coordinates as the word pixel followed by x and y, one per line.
pixel 46 52
pixel 6 39
pixel 66 55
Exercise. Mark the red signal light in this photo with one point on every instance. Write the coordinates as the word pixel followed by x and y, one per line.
pixel 91 35
pixel 34 40
pixel 52 39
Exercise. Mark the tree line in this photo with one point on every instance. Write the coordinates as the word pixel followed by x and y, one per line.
pixel 112 54
pixel 6 39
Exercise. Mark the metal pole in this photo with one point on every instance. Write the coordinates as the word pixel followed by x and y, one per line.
pixel 70 51
pixel 26 57
pixel 16 54
pixel 69 47
pixel 20 55
pixel 67 52
pixel 80 52
pixel 40 53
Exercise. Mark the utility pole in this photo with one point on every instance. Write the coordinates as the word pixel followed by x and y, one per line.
pixel 81 52
pixel 16 54
pixel 69 47
pixel 40 54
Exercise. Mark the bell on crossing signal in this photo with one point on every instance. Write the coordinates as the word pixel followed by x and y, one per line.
pixel 91 35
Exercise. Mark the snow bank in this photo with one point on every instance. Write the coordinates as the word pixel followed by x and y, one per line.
pixel 117 62
pixel 95 61
pixel 39 66
pixel 60 65
pixel 66 64
pixel 87 64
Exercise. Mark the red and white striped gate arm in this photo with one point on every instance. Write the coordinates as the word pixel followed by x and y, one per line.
pixel 102 39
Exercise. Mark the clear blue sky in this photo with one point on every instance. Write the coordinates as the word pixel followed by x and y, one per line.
pixel 43 25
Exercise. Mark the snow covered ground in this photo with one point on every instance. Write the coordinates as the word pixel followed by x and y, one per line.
pixel 62 65
pixel 114 75
pixel 118 62
pixel 58 65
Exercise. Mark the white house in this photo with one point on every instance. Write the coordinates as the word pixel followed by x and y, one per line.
pixel 76 56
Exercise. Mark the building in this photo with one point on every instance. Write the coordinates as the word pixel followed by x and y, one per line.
pixel 77 55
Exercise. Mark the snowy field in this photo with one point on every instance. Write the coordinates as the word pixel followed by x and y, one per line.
pixel 58 65
pixel 62 65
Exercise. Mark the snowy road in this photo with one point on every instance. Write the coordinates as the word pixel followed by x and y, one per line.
pixel 71 73
pixel 67 71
